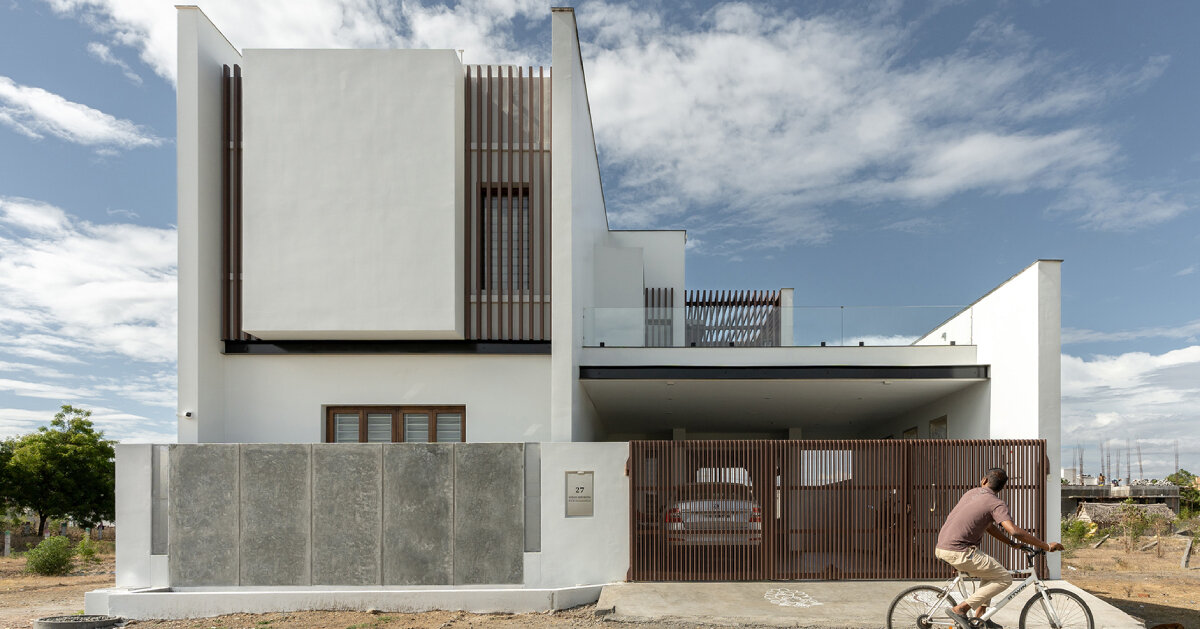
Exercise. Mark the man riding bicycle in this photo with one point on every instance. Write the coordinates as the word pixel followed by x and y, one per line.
pixel 981 510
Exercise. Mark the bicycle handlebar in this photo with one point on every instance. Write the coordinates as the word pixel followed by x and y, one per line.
pixel 1031 553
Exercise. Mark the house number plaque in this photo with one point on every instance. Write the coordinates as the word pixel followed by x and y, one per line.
pixel 579 494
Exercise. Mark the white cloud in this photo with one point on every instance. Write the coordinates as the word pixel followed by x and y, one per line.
pixel 157 389
pixel 71 288
pixel 764 120
pixel 755 120
pixel 1188 331
pixel 40 371
pixel 18 421
pixel 125 427
pixel 47 391
pixel 36 113
pixel 1138 397
pixel 104 54
pixel 882 340
pixel 1187 271
pixel 1102 204
pixel 479 26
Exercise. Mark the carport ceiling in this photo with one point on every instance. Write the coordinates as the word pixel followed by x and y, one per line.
pixel 743 405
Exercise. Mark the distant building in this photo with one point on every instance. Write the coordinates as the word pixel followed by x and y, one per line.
pixel 1109 513
pixel 1073 496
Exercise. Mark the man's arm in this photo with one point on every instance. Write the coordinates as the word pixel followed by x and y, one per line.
pixel 1004 539
pixel 1025 536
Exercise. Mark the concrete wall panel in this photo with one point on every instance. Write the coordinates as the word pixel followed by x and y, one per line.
pixel 347 513
pixel 203 515
pixel 275 514
pixel 418 504
pixel 489 513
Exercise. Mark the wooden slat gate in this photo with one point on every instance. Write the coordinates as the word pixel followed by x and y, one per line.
pixel 853 509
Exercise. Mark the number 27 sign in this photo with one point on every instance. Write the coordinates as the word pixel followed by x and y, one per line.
pixel 579 494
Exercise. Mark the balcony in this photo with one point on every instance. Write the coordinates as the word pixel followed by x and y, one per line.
pixel 765 319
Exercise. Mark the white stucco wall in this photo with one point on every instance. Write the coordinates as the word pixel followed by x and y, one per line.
pixel 202 50
pixel 1017 329
pixel 281 399
pixel 133 514
pixel 966 415
pixel 353 186
pixel 663 255
pixel 580 224
pixel 663 262
pixel 582 550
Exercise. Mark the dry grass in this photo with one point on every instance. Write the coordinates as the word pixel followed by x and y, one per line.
pixel 1142 584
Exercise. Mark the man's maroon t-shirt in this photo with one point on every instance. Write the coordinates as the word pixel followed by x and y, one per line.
pixel 969 519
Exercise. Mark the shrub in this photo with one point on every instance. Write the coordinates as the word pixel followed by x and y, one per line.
pixel 1073 531
pixel 1133 523
pixel 54 556
pixel 86 549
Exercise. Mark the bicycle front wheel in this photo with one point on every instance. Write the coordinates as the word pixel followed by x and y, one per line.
pixel 920 607
pixel 1070 610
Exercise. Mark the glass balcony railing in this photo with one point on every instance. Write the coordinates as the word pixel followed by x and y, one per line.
pixel 807 326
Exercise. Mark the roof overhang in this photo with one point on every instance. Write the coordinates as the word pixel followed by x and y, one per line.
pixel 838 401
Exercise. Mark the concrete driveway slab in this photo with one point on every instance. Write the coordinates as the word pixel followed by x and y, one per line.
pixel 815 604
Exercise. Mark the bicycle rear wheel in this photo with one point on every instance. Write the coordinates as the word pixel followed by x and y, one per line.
pixel 1071 611
pixel 920 607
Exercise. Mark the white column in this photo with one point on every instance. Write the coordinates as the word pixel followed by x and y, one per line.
pixel 785 317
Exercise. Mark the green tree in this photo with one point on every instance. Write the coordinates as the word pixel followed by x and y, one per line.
pixel 10 513
pixel 1189 496
pixel 65 470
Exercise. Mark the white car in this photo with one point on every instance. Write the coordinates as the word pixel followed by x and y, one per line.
pixel 713 514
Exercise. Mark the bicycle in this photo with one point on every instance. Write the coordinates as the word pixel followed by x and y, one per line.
pixel 924 606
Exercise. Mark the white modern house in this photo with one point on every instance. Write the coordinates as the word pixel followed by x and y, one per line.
pixel 417 368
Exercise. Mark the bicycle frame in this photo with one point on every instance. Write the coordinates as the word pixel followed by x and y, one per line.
pixel 1032 579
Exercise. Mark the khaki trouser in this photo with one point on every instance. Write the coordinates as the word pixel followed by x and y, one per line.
pixel 993 578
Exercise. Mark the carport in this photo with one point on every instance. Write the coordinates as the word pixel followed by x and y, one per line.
pixel 828 509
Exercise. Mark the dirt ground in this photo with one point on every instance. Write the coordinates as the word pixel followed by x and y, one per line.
pixel 26 597
pixel 1141 584
pixel 1154 589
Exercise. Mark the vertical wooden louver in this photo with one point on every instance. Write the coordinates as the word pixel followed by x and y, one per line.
pixel 733 318
pixel 507 203
pixel 231 205
pixel 818 509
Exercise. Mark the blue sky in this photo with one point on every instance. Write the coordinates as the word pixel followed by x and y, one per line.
pixel 890 155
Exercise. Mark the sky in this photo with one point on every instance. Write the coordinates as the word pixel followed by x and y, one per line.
pixel 890 154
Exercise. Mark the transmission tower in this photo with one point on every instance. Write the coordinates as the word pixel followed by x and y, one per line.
pixel 1177 456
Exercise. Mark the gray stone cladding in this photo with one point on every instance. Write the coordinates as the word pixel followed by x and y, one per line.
pixel 346 514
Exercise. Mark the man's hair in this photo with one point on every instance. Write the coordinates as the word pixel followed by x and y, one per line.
pixel 996 479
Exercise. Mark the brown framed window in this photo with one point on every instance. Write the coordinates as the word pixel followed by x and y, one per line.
pixel 395 424
pixel 505 248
